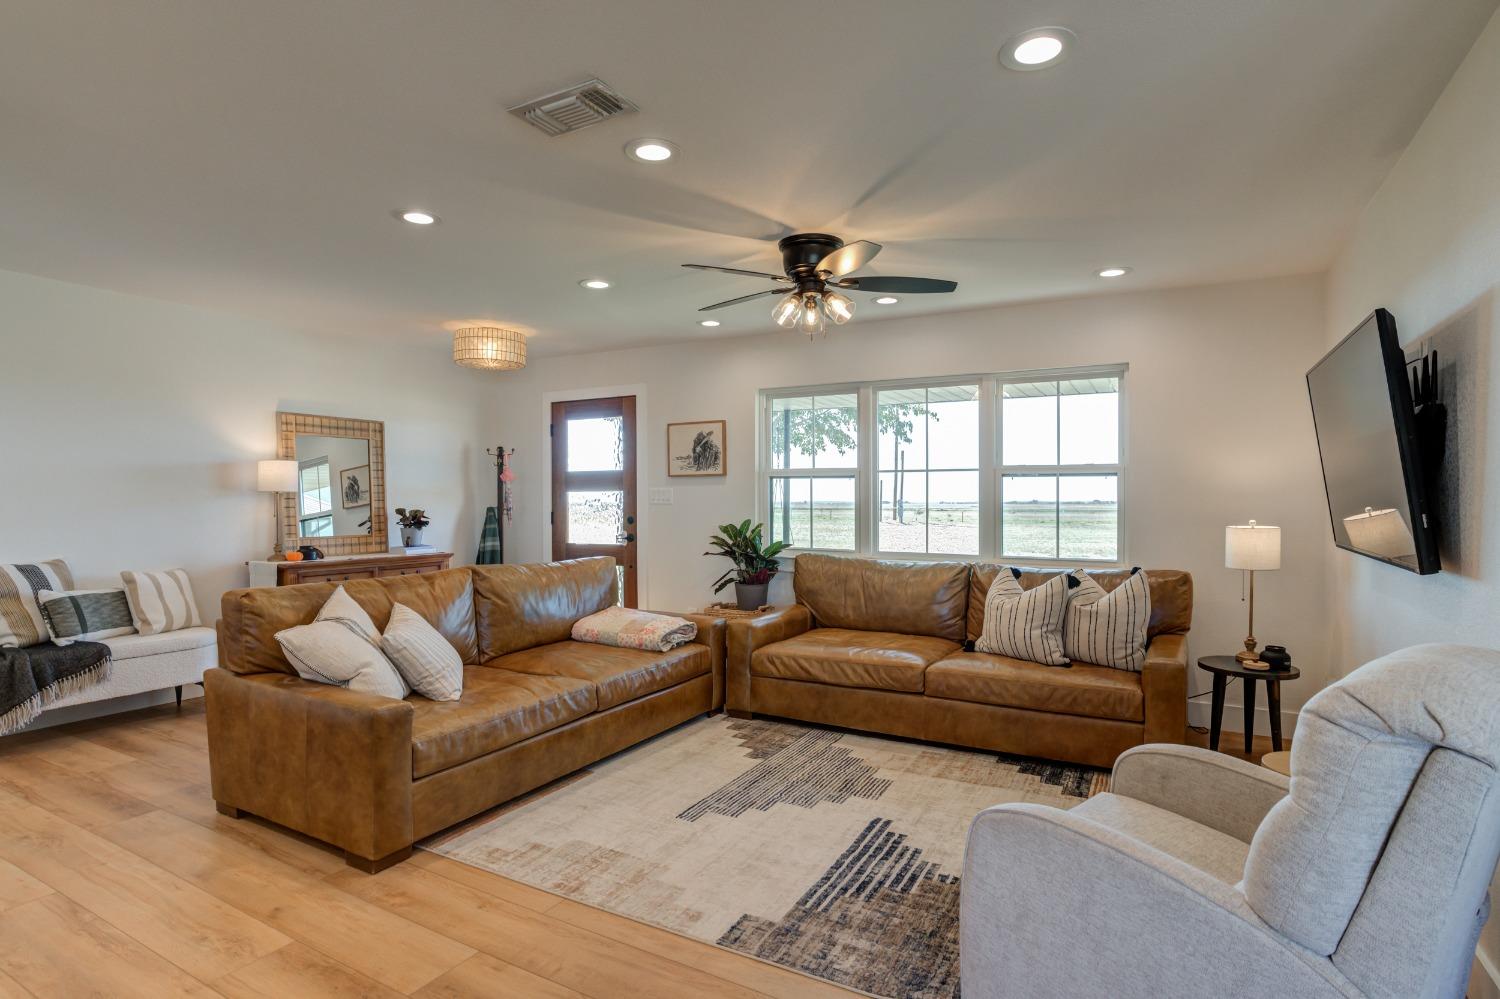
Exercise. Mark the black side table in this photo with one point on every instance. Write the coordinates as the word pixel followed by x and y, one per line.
pixel 1224 667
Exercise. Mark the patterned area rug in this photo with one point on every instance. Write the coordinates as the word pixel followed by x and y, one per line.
pixel 828 852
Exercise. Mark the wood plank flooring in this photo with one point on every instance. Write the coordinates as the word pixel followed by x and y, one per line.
pixel 118 877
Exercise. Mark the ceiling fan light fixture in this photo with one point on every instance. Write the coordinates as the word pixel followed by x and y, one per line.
pixel 810 318
pixel 1039 48
pixel 787 311
pixel 839 308
pixel 650 150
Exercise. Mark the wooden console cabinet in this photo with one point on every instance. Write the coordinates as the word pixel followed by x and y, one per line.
pixel 325 570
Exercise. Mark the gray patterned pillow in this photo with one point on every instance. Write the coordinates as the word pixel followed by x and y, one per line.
pixel 85 615
pixel 21 622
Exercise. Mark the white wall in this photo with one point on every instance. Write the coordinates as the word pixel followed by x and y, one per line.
pixel 1428 248
pixel 1218 432
pixel 130 429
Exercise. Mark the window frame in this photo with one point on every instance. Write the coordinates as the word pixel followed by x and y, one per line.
pixel 866 472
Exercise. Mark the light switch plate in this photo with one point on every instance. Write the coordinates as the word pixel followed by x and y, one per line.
pixel 661 497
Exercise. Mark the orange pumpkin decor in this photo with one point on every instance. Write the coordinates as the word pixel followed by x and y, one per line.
pixel 294 556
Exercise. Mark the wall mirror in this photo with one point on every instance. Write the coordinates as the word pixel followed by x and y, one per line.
pixel 339 503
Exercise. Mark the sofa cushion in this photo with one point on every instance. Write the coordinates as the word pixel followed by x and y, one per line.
pixel 620 675
pixel 498 708
pixel 910 598
pixel 878 660
pixel 182 640
pixel 1091 691
pixel 521 606
pixel 1171 594
pixel 1212 852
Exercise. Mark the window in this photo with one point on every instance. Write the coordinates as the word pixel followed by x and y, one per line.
pixel 1060 469
pixel 314 499
pixel 1024 467
pixel 813 470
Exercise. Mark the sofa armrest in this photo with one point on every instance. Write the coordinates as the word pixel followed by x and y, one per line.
pixel 1038 880
pixel 1164 685
pixel 1210 788
pixel 714 633
pixel 330 762
pixel 746 634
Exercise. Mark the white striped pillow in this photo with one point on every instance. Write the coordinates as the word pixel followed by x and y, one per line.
pixel 161 601
pixel 21 621
pixel 1025 624
pixel 422 656
pixel 1108 629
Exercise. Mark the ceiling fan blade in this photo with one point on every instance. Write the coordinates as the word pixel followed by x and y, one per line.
pixel 899 285
pixel 745 298
pixel 736 270
pixel 848 258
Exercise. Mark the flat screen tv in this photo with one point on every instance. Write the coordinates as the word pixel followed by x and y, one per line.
pixel 1367 438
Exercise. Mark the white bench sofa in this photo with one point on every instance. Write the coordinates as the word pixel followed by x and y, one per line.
pixel 144 663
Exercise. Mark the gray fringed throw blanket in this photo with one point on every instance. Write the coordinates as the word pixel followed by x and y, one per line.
pixel 34 677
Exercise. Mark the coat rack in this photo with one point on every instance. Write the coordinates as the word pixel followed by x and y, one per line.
pixel 500 453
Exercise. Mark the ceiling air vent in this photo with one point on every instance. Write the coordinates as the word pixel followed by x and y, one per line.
pixel 578 106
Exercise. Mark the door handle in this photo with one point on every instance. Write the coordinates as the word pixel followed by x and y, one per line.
pixel 629 538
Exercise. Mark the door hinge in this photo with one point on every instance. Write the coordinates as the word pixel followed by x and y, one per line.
pixel 551 518
pixel 551 429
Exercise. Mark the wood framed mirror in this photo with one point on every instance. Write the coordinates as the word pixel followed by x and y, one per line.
pixel 339 505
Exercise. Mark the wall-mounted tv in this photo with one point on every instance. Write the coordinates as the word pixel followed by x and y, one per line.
pixel 1367 438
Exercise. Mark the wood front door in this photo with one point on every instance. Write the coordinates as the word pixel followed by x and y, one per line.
pixel 593 484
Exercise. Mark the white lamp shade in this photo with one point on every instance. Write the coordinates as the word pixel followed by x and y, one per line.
pixel 1381 532
pixel 1252 546
pixel 278 475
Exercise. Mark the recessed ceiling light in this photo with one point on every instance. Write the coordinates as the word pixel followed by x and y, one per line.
pixel 649 150
pixel 1114 272
pixel 417 218
pixel 1038 48
pixel 710 323
pixel 594 284
pixel 887 300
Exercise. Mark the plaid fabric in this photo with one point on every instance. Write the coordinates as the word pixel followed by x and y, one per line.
pixel 489 540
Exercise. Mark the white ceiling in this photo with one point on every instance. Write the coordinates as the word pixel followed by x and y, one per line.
pixel 247 155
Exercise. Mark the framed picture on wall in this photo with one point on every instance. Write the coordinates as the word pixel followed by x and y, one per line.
pixel 354 486
pixel 696 448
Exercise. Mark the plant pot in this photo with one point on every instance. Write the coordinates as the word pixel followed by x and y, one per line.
pixel 749 596
pixel 411 536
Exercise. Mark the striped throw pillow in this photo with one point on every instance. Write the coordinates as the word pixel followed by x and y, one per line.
pixel 422 656
pixel 1025 624
pixel 85 615
pixel 21 622
pixel 1108 628
pixel 161 601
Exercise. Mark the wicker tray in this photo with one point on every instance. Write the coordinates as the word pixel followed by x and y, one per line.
pixel 730 610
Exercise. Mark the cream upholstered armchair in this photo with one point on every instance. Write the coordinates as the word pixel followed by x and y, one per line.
pixel 1366 874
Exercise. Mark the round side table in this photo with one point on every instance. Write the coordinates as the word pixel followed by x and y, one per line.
pixel 1224 667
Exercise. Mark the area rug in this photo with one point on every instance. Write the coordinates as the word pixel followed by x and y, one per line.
pixel 828 852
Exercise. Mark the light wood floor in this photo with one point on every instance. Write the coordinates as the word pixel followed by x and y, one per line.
pixel 118 877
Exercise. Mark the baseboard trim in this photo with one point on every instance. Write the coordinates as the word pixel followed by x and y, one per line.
pixel 1200 715
pixel 1483 965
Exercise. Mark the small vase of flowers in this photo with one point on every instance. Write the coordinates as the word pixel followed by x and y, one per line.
pixel 412 521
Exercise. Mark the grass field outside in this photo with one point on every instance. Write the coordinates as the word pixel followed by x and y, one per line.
pixel 1028 530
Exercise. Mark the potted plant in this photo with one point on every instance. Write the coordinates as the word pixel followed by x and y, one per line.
pixel 411 521
pixel 754 565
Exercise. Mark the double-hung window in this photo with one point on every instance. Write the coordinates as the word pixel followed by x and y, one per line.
pixel 314 499
pixel 1022 467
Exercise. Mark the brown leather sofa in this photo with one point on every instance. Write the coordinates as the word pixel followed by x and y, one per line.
pixel 887 647
pixel 372 775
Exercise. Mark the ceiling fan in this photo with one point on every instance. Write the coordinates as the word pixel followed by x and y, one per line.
pixel 817 273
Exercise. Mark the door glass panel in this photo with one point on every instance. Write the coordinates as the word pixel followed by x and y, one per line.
pixel 596 517
pixel 1089 507
pixel 596 444
pixel 1028 516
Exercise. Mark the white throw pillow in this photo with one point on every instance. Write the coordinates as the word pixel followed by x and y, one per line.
pixel 342 607
pixel 422 656
pixel 1108 628
pixel 161 601
pixel 1025 624
pixel 337 653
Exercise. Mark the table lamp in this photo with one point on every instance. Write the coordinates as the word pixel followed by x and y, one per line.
pixel 1251 546
pixel 277 475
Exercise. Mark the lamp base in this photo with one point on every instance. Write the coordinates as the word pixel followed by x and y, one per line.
pixel 1248 656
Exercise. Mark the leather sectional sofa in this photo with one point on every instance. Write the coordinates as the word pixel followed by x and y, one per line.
pixel 887 647
pixel 372 775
